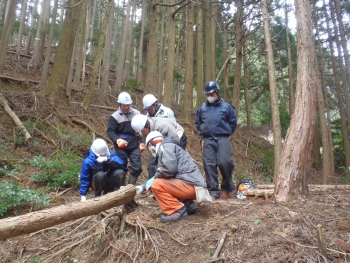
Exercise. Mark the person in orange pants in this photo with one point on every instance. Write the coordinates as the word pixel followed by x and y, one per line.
pixel 176 177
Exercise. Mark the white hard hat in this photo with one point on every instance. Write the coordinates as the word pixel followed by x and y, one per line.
pixel 138 122
pixel 99 147
pixel 124 98
pixel 154 135
pixel 148 101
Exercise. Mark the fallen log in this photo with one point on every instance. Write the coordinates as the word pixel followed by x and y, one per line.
pixel 14 117
pixel 32 222
pixel 267 190
pixel 19 79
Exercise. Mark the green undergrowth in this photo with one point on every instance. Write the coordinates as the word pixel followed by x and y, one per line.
pixel 13 195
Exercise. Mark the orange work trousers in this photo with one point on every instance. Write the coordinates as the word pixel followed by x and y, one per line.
pixel 168 192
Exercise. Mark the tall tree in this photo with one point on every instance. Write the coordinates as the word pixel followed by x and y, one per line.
pixel 152 65
pixel 5 34
pixel 129 46
pixel 45 72
pixel 106 61
pixel 290 68
pixel 32 27
pixel 199 55
pixel 168 96
pixel 100 46
pixel 122 49
pixel 187 99
pixel 238 67
pixel 21 28
pixel 56 88
pixel 207 41
pixel 276 122
pixel 140 60
pixel 295 161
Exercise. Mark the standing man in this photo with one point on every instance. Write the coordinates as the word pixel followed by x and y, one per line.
pixel 102 170
pixel 168 128
pixel 216 120
pixel 126 143
pixel 175 179
pixel 155 109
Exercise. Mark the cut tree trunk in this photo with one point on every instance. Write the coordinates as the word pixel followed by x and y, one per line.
pixel 14 117
pixel 31 222
pixel 267 190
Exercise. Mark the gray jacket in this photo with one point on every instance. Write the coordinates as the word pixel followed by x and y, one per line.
pixel 166 127
pixel 174 162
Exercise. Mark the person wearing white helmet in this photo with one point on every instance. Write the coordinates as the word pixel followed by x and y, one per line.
pixel 102 170
pixel 176 177
pixel 126 142
pixel 168 128
pixel 155 109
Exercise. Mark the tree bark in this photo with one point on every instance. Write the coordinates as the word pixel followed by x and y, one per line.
pixel 140 59
pixel 162 41
pixel 101 42
pixel 21 29
pixel 238 66
pixel 31 222
pixel 106 61
pixel 32 27
pixel 290 68
pixel 296 155
pixel 168 96
pixel 199 56
pixel 187 98
pixel 246 89
pixel 129 46
pixel 122 50
pixel 44 75
pixel 56 88
pixel 207 41
pixel 152 54
pixel 5 34
pixel 276 122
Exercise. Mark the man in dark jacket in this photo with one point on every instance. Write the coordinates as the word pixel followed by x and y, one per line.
pixel 175 179
pixel 102 170
pixel 126 143
pixel 216 120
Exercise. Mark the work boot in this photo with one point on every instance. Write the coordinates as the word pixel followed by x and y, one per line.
pixel 132 179
pixel 190 206
pixel 174 217
pixel 224 194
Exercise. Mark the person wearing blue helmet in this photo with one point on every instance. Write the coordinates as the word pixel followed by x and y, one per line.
pixel 216 120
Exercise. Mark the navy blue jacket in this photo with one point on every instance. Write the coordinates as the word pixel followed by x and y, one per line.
pixel 90 166
pixel 216 119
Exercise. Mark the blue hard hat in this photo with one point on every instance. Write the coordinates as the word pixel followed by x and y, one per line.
pixel 211 86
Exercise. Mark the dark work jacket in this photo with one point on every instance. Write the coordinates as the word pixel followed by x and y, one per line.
pixel 216 119
pixel 119 127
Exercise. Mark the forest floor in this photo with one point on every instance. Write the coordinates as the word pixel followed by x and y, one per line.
pixel 254 229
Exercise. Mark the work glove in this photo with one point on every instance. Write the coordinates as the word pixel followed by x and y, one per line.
pixel 101 159
pixel 122 143
pixel 83 198
pixel 140 188
pixel 142 147
pixel 149 183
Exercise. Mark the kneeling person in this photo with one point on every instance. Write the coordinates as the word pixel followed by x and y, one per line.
pixel 102 170
pixel 175 178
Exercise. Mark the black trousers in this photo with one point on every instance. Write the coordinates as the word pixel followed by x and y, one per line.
pixel 217 153
pixel 101 184
pixel 134 156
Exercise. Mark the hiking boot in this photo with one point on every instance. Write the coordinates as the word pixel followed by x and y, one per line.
pixel 224 194
pixel 190 206
pixel 174 217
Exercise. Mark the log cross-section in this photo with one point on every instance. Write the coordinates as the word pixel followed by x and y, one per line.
pixel 31 222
